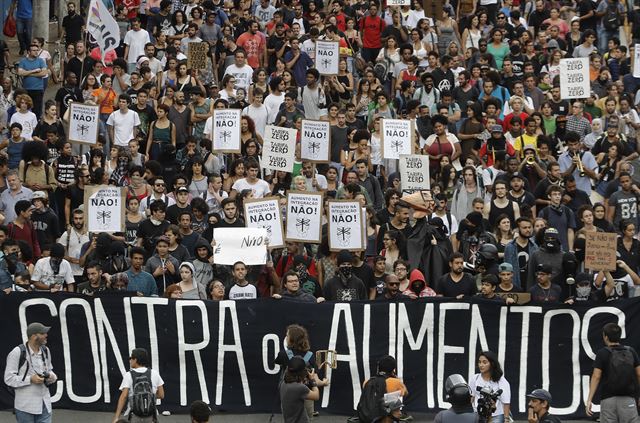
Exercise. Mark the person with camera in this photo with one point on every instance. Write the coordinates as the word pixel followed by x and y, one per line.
pixel 490 383
pixel 539 404
pixel 459 395
pixel 29 372
pixel 300 384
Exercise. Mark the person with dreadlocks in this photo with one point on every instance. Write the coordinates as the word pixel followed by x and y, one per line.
pixel 33 169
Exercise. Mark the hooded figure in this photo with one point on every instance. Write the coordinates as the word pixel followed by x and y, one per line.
pixel 429 247
pixel 418 286
pixel 203 268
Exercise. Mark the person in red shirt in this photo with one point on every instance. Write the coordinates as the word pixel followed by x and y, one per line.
pixel 21 229
pixel 254 43
pixel 341 18
pixel 371 27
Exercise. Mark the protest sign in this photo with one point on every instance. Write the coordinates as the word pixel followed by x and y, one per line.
pixel 398 3
pixel 345 226
pixel 433 9
pixel 105 208
pixel 197 55
pixel 315 141
pixel 304 217
pixel 278 152
pixel 636 61
pixel 327 57
pixel 247 245
pixel 574 78
pixel 414 172
pixel 83 123
pixel 397 138
pixel 226 130
pixel 265 213
pixel 600 251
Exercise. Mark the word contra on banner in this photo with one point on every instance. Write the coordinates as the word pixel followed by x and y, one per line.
pixel 265 213
pixel 226 130
pixel 278 152
pixel 414 172
pixel 248 245
pixel 345 226
pixel 397 138
pixel 211 350
pixel 304 217
pixel 105 208
pixel 327 57
pixel 574 78
pixel 315 141
pixel 83 122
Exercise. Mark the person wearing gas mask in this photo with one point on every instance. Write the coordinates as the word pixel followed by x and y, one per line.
pixel 344 286
pixel 54 272
pixel 585 291
pixel 563 265
pixel 458 394
pixel 487 260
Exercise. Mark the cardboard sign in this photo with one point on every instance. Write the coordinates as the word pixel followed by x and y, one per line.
pixel 197 55
pixel 600 251
pixel 520 298
pixel 226 130
pixel 247 245
pixel 105 208
pixel 304 217
pixel 83 123
pixel 414 172
pixel 345 226
pixel 433 9
pixel 397 138
pixel 327 57
pixel 315 141
pixel 574 78
pixel 278 152
pixel 636 61
pixel 265 213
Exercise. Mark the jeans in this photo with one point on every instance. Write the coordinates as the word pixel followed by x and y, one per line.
pixel 45 417
pixel 23 28
pixel 603 38
pixel 498 419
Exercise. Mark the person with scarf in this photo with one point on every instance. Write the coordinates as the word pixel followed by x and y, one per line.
pixel 344 286
pixel 191 289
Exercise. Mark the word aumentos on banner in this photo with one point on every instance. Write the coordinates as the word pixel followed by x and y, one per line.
pixel 278 152
pixel 574 78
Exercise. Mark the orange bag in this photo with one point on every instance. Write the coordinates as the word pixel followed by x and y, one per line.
pixel 9 29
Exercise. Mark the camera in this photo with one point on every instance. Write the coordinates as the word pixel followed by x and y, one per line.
pixel 487 401
pixel 45 375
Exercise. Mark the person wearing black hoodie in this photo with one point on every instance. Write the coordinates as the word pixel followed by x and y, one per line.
pixel 45 221
pixel 344 286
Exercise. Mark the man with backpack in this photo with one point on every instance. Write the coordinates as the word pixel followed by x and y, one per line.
pixel 29 373
pixel 611 13
pixel 372 406
pixel 140 387
pixel 617 371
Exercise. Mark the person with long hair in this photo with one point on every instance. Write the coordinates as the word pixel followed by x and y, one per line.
pixel 162 133
pixel 191 289
pixel 362 99
pixel 197 177
pixel 176 249
pixel 248 132
pixel 178 28
pixel 216 290
pixel 470 131
pixel 259 79
pixel 491 376
pixel 236 172
pixel 394 245
pixel 503 233
pixel 472 35
pixel 600 218
pixel 441 143
pixel 497 47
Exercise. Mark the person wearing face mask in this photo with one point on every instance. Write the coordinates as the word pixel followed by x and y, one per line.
pixel 596 133
pixel 344 286
pixel 585 291
pixel 53 272
pixel 518 252
pixel 562 265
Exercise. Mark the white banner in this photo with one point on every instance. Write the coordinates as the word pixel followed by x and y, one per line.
pixel 103 27
pixel 265 213
pixel 278 152
pixel 304 217
pixel 247 245
pixel 345 226
pixel 226 130
pixel 574 78
pixel 414 172
pixel 636 61
pixel 327 57
pixel 315 141
pixel 397 138
pixel 105 208
pixel 83 123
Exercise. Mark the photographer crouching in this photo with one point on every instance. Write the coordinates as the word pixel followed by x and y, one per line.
pixel 459 395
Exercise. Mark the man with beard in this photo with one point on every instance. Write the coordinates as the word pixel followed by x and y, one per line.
pixel 68 93
pixel 573 197
pixel 344 286
pixel 399 222
pixel 293 291
pixel 73 239
pixel 427 94
pixel 456 283
pixel 180 115
pixel 95 282
pixel 443 77
pixel 518 252
pixel 152 227
pixel 254 43
pixel 525 200
pixel 53 272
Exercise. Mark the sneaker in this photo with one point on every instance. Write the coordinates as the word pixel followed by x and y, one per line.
pixel 405 418
pixel 316 414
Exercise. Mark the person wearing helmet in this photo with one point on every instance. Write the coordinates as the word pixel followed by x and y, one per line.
pixel 487 259
pixel 563 264
pixel 459 395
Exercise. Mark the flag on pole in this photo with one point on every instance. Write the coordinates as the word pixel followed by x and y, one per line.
pixel 103 27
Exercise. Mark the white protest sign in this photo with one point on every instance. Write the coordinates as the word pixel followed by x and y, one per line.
pixel 83 123
pixel 278 152
pixel 397 138
pixel 574 78
pixel 304 217
pixel 345 226
pixel 265 213
pixel 247 245
pixel 226 130
pixel 636 61
pixel 327 57
pixel 105 208
pixel 315 141
pixel 398 3
pixel 414 172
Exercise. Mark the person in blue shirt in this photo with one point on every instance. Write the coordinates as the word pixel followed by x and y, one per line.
pixel 33 71
pixel 140 281
pixel 298 62
pixel 24 21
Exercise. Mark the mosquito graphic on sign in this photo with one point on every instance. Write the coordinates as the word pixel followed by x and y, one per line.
pixel 225 133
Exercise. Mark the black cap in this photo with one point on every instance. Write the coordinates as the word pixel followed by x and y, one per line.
pixel 344 256
pixel 540 394
pixel 296 364
pixel 517 175
pixel 544 268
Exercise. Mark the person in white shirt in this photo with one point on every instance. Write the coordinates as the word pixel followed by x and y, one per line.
pixel 240 69
pixel 139 361
pixel 134 41
pixel 51 273
pixel 191 37
pixel 73 239
pixel 123 123
pixel 257 111
pixel 315 182
pixel 258 187
pixel 242 290
pixel 273 101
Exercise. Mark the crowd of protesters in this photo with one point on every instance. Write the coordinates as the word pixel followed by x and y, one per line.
pixel 519 175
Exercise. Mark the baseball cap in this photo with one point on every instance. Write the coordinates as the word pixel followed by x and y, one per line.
pixel 39 195
pixel 541 394
pixel 496 128
pixel 35 328
pixel 505 267
pixel 182 189
pixel 517 175
pixel 296 364
pixel 544 268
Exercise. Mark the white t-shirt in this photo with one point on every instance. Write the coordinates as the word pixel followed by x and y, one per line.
pixel 127 382
pixel 260 116
pixel 504 398
pixel 260 188
pixel 320 179
pixel 123 125
pixel 272 102
pixel 76 241
pixel 454 223
pixel 28 121
pixel 136 41
pixel 43 273
pixel 247 292
pixel 243 75
pixel 309 47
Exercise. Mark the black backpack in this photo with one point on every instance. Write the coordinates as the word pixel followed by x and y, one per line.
pixel 621 374
pixel 142 398
pixel 611 19
pixel 371 405
pixel 23 359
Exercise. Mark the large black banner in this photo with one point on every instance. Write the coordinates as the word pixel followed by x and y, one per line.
pixel 222 352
